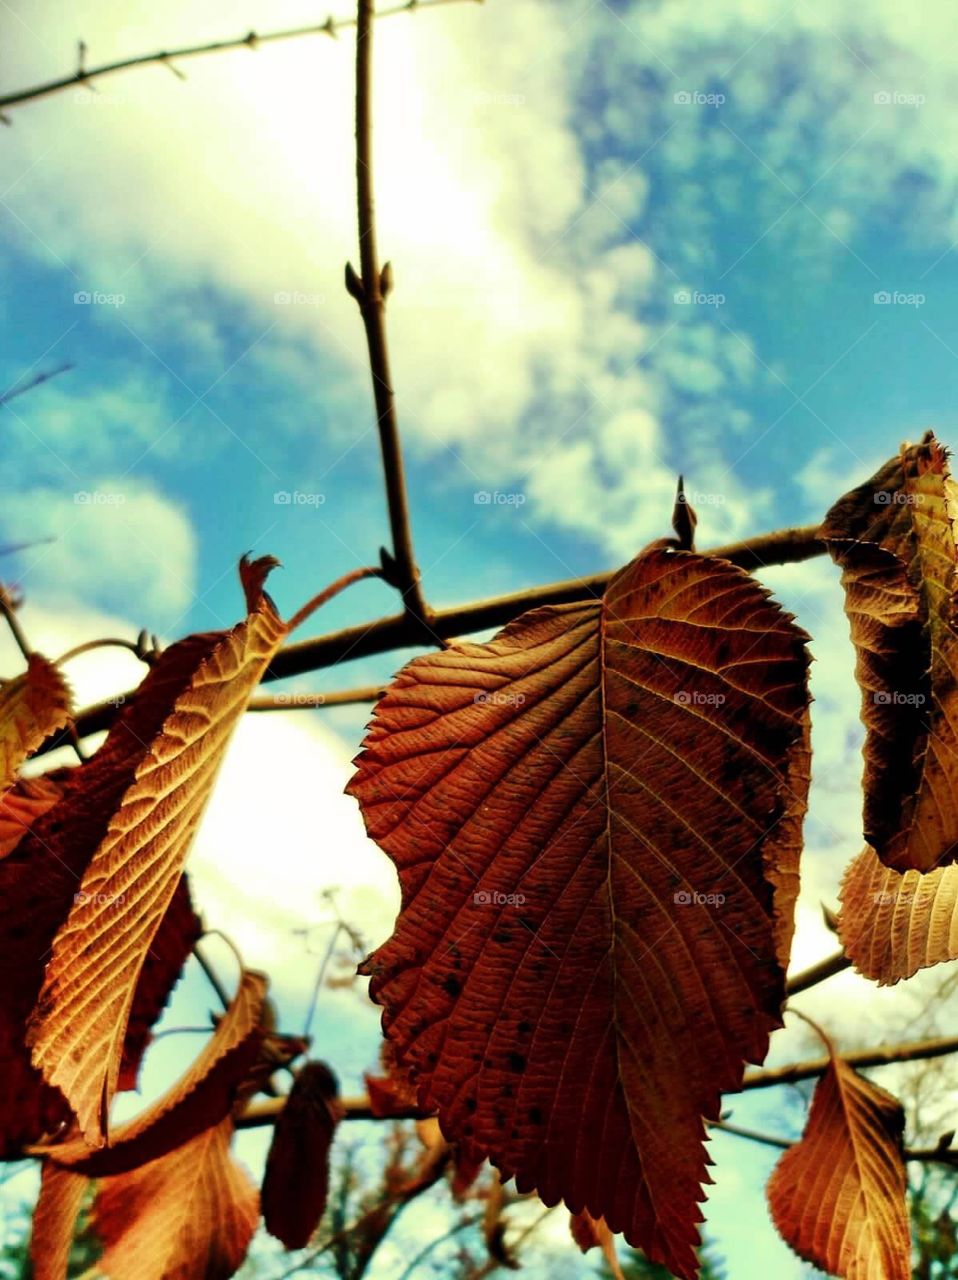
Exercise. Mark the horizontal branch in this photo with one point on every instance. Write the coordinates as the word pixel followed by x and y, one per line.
pixel 923 1155
pixel 400 631
pixel 257 1114
pixel 84 76
pixel 816 973
pixel 883 1056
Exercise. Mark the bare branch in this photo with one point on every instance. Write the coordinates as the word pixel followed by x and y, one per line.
pixel 370 289
pixel 929 1155
pixel 399 631
pixel 883 1056
pixel 83 76
pixel 817 973
pixel 36 381
pixel 257 1114
pixel 294 701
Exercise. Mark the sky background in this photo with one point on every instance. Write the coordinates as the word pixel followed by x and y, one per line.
pixel 628 240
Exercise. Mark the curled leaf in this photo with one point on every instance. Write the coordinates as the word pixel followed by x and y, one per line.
pixel 79 1025
pixel 296 1184
pixel 894 539
pixel 201 1098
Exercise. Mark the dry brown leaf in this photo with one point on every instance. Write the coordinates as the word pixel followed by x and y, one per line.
pixel 201 1098
pixel 187 1216
pixel 893 924
pixel 894 538
pixel 40 874
pixel 595 818
pixel 296 1183
pixel 78 1027
pixel 593 1233
pixel 32 706
pixel 838 1196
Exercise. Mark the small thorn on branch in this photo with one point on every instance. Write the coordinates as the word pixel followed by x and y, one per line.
pixel 386 280
pixel 329 27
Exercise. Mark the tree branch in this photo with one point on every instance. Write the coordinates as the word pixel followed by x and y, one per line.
pixel 83 77
pixel 923 1155
pixel 817 973
pixel 256 1114
pixel 883 1056
pixel 399 631
pixel 370 289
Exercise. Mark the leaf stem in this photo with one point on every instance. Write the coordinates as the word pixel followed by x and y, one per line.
pixel 347 580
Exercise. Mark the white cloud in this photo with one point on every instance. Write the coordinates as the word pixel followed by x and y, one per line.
pixel 115 540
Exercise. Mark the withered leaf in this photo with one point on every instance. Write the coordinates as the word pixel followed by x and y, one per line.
pixel 595 818
pixel 79 1025
pixel 895 542
pixel 838 1196
pixel 296 1183
pixel 892 924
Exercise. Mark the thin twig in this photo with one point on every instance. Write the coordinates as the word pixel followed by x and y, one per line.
pixel 13 622
pixel 370 289
pixel 817 973
pixel 83 76
pixel 784 546
pixel 213 977
pixel 320 976
pixel 36 381
pixel 921 1155
pixel 330 593
pixel 883 1056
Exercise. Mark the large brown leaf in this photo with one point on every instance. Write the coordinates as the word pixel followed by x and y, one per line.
pixel 201 1098
pixel 187 1216
pixel 894 539
pixel 838 1196
pixel 32 706
pixel 892 924
pixel 40 876
pixel 79 1025
pixel 296 1183
pixel 597 842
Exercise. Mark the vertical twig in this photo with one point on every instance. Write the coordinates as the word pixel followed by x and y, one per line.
pixel 370 289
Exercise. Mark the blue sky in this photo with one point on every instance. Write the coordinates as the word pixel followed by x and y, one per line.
pixel 629 240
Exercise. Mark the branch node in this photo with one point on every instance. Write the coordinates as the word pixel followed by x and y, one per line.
pixel 180 75
pixel 386 281
pixel 330 28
